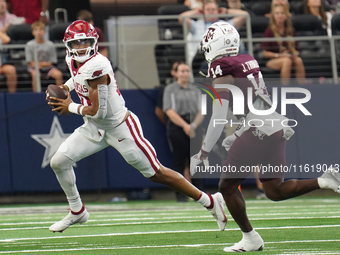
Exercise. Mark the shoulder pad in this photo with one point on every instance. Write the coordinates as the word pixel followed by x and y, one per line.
pixel 96 67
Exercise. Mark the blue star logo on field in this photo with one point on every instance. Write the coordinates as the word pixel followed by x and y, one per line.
pixel 51 141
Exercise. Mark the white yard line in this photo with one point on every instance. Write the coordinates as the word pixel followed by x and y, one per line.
pixel 10 240
pixel 174 246
pixel 152 207
pixel 138 221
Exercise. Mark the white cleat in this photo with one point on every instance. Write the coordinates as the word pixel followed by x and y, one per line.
pixel 218 210
pixel 254 244
pixel 330 180
pixel 70 219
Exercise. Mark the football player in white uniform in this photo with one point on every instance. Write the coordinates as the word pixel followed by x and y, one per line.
pixel 251 145
pixel 107 123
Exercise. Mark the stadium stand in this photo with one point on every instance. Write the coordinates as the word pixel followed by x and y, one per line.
pixel 169 53
pixel 56 35
pixel 305 25
pixel 261 8
pixel 20 35
pixel 170 50
pixel 336 32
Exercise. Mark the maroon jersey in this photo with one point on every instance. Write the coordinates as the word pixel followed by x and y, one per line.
pixel 246 71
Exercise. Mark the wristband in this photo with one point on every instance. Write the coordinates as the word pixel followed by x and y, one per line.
pixel 81 108
pixel 73 107
pixel 193 125
pixel 276 55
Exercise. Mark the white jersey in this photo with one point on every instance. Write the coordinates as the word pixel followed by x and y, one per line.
pixel 93 68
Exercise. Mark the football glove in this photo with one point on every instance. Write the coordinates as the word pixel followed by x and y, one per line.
pixel 228 141
pixel 196 160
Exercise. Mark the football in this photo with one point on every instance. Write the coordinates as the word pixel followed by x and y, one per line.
pixel 55 91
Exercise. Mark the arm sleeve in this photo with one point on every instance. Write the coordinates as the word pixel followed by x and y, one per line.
pixel 102 99
pixel 219 112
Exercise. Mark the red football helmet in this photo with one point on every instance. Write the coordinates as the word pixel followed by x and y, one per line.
pixel 81 33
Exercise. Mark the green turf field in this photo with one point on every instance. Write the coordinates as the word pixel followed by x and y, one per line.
pixel 297 226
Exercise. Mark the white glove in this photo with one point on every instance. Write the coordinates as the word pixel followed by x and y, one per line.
pixel 228 141
pixel 195 161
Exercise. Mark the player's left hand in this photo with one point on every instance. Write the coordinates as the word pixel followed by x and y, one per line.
pixel 61 104
pixel 201 156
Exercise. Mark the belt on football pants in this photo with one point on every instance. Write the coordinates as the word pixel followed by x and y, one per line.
pixel 125 118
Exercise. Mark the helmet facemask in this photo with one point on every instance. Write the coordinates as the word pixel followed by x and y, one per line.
pixel 81 40
pixel 80 54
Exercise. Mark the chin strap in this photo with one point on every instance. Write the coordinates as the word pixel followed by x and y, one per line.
pixel 205 75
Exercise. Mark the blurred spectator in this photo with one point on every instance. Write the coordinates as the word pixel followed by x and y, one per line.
pixel 192 4
pixel 198 27
pixel 333 5
pixel 31 10
pixel 283 55
pixel 47 56
pixel 8 70
pixel 7 19
pixel 315 7
pixel 87 16
pixel 159 102
pixel 238 5
pixel 284 3
pixel 182 105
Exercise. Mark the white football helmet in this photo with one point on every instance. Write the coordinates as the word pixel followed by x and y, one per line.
pixel 221 38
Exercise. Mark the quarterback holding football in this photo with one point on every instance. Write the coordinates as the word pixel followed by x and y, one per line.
pixel 107 122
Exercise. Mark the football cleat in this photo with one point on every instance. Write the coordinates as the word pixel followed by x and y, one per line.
pixel 330 180
pixel 218 210
pixel 70 219
pixel 261 195
pixel 254 244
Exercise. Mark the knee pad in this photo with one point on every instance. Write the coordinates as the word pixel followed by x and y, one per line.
pixel 132 157
pixel 60 162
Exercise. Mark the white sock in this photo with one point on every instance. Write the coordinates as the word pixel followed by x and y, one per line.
pixel 322 183
pixel 250 235
pixel 62 167
pixel 204 200
pixel 75 203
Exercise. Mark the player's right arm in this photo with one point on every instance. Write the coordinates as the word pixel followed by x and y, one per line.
pixel 219 111
pixel 98 93
pixel 214 131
